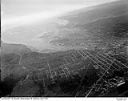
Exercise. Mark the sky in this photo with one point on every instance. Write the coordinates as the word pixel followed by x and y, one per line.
pixel 23 11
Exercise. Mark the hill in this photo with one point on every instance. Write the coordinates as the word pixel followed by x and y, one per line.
pixel 99 26
pixel 7 48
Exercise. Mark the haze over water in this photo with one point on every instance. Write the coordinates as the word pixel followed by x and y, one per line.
pixel 21 18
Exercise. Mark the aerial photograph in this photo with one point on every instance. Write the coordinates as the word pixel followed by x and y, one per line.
pixel 64 48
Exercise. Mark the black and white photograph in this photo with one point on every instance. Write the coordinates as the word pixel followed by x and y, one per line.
pixel 64 48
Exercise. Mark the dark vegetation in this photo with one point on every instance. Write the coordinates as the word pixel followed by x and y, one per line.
pixel 7 86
